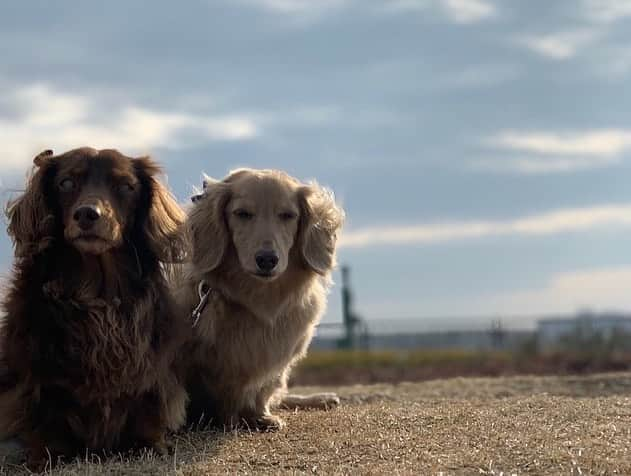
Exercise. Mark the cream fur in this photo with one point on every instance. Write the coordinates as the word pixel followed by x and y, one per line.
pixel 255 329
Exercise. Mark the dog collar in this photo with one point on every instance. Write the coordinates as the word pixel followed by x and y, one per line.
pixel 203 290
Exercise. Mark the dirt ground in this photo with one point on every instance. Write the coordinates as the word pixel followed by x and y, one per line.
pixel 497 426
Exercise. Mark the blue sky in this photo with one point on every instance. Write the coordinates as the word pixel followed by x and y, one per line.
pixel 480 147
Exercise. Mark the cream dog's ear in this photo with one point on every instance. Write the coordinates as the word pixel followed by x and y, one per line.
pixel 321 220
pixel 208 181
pixel 207 225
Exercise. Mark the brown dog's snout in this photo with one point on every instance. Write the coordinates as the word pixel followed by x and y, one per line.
pixel 86 216
pixel 266 260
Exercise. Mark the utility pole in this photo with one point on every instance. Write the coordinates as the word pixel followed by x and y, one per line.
pixel 347 297
pixel 498 334
pixel 352 322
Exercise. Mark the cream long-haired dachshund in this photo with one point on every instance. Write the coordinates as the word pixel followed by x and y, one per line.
pixel 263 247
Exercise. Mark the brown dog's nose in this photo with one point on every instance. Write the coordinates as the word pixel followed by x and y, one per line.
pixel 86 216
pixel 266 260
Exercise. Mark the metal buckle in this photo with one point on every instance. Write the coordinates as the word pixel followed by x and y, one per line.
pixel 203 290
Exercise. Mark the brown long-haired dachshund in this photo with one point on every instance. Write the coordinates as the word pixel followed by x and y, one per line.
pixel 263 247
pixel 89 336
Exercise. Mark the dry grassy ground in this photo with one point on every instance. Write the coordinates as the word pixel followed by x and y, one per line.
pixel 521 425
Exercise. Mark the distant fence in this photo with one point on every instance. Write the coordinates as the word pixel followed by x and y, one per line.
pixel 584 332
pixel 471 340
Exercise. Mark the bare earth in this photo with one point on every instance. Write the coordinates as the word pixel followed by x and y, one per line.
pixel 520 425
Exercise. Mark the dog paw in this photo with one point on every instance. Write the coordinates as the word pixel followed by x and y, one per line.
pixel 38 463
pixel 263 423
pixel 162 448
pixel 156 444
pixel 270 423
pixel 38 458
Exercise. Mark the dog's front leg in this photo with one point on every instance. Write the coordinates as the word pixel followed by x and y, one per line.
pixel 149 425
pixel 43 455
pixel 38 457
pixel 261 417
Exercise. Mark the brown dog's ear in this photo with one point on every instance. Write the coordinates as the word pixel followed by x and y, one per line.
pixel 164 219
pixel 321 219
pixel 41 158
pixel 31 221
pixel 208 228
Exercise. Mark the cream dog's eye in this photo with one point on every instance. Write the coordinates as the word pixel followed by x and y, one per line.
pixel 287 216
pixel 243 214
pixel 67 185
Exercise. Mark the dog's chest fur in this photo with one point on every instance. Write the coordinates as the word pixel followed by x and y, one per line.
pixel 84 337
pixel 243 348
pixel 96 345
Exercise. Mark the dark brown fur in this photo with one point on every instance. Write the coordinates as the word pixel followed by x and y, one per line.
pixel 89 338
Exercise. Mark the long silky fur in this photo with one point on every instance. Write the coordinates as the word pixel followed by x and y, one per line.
pixel 84 370
pixel 251 334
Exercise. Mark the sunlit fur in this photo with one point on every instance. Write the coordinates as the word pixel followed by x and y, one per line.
pixel 255 328
pixel 90 333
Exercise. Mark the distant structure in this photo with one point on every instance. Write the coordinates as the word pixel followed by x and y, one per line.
pixel 585 325
pixel 498 334
pixel 354 328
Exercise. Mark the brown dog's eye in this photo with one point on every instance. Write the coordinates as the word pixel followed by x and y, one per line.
pixel 126 187
pixel 243 214
pixel 66 185
pixel 287 216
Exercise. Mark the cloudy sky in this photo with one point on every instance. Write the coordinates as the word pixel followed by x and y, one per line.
pixel 479 146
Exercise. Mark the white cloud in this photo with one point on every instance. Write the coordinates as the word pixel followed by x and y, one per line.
pixel 554 222
pixel 543 164
pixel 458 11
pixel 595 143
pixel 607 11
pixel 597 289
pixel 296 6
pixel 599 143
pixel 46 118
pixel 556 152
pixel 305 11
pixel 469 11
pixel 298 13
pixel 595 21
pixel 559 45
